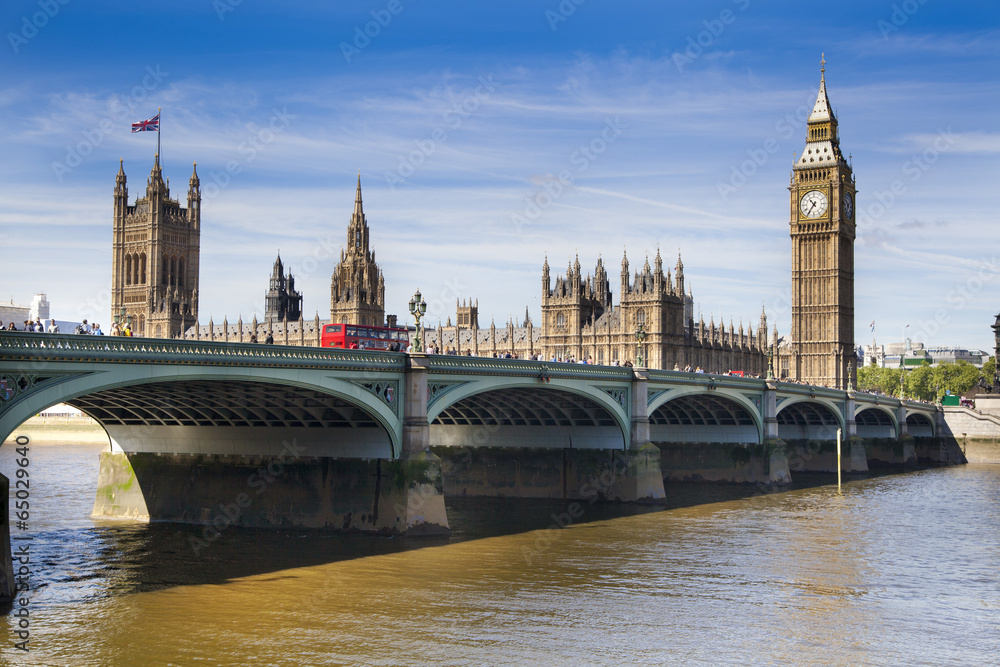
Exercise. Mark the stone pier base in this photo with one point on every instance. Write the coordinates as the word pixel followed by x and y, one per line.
pixel 777 462
pixel 351 495
pixel 855 458
pixel 419 476
pixel 7 584
pixel 909 451
pixel 638 476
pixel 118 492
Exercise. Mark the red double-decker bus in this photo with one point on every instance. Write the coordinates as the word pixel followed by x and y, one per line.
pixel 357 337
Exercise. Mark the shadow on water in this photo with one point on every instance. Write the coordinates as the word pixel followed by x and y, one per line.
pixel 119 559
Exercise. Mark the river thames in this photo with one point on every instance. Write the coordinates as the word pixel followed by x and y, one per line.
pixel 892 570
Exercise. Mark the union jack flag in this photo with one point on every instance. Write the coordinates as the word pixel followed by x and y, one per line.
pixel 153 124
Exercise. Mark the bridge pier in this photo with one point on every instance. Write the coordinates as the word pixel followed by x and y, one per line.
pixel 419 469
pixel 8 586
pixel 640 470
pixel 856 460
pixel 909 444
pixel 777 449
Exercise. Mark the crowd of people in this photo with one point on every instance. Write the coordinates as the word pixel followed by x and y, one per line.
pixel 37 326
pixel 95 329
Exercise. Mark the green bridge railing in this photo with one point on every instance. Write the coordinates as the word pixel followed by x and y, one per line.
pixel 35 347
pixel 525 368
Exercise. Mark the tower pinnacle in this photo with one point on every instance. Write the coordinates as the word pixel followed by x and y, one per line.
pixel 358 211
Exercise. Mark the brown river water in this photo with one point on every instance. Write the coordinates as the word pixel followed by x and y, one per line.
pixel 893 570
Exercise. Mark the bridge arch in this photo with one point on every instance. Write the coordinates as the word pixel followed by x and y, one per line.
pixel 809 419
pixel 524 412
pixel 157 408
pixel 684 415
pixel 875 422
pixel 919 424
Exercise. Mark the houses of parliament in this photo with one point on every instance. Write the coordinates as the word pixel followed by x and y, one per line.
pixel 156 261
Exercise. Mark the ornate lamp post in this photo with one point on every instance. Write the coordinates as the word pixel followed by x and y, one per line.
pixel 417 308
pixel 770 362
pixel 640 339
pixel 123 317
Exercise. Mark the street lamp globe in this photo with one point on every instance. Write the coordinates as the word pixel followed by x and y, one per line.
pixel 418 307
pixel 640 338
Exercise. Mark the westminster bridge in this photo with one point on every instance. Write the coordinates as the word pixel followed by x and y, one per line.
pixel 264 435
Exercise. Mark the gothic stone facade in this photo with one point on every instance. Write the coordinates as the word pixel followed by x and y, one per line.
pixel 579 321
pixel 154 272
pixel 822 206
pixel 357 288
pixel 282 301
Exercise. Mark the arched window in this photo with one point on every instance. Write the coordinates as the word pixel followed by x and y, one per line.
pixel 641 317
pixel 142 269
pixel 165 271
pixel 128 269
pixel 560 320
pixel 180 272
pixel 173 270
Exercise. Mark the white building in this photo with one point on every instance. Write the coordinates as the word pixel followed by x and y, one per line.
pixel 915 354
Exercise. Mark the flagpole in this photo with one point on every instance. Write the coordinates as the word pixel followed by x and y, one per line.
pixel 159 119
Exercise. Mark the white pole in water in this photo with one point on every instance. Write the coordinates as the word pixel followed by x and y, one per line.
pixel 838 460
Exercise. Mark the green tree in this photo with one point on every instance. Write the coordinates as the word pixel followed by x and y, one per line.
pixel 986 374
pixel 885 380
pixel 958 378
pixel 920 383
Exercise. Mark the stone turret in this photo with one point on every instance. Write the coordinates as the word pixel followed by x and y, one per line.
pixel 357 287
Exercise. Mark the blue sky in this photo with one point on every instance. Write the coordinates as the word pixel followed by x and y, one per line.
pixel 461 116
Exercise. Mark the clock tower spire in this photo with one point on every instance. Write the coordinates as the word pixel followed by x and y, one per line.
pixel 822 228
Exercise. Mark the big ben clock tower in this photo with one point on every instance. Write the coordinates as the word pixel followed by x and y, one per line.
pixel 822 229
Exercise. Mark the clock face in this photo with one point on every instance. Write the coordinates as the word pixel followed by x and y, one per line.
pixel 813 204
pixel 848 206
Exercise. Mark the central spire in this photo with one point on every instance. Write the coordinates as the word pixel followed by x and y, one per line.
pixel 357 230
pixel 821 110
pixel 822 147
pixel 358 211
